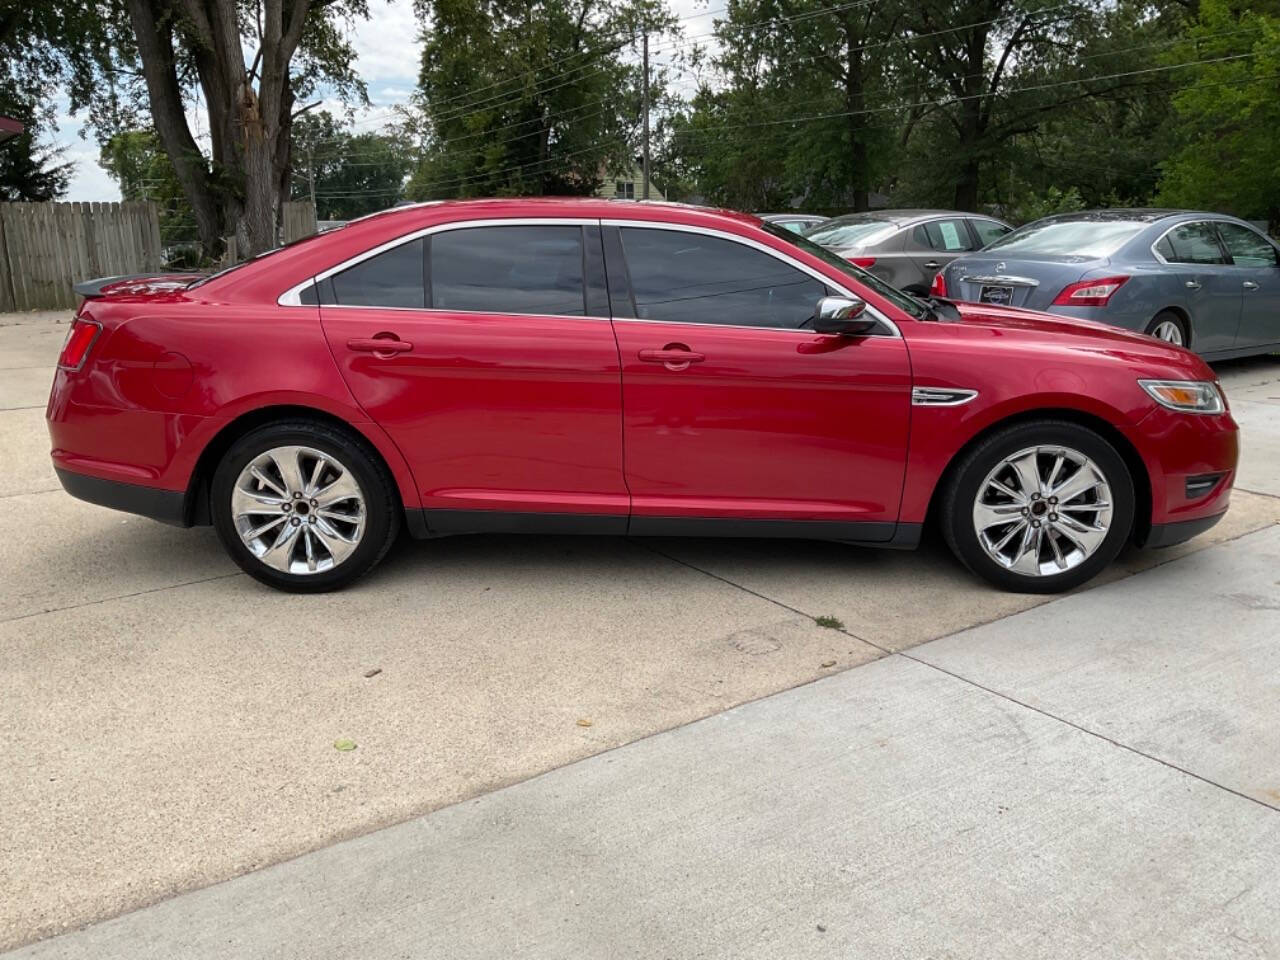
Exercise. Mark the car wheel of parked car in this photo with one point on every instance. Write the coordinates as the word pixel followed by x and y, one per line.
pixel 1169 327
pixel 303 506
pixel 1039 507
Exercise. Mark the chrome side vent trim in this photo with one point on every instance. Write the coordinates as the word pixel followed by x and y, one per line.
pixel 940 396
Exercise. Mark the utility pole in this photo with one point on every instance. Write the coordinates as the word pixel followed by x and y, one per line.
pixel 645 89
pixel 311 177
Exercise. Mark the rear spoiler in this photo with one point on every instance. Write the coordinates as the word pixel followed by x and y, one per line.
pixel 94 288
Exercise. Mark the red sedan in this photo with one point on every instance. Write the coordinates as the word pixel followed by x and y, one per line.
pixel 591 366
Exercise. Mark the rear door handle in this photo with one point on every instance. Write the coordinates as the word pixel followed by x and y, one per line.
pixel 1193 284
pixel 1250 285
pixel 932 265
pixel 382 345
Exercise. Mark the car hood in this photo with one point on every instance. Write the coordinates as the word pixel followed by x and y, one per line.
pixel 1070 332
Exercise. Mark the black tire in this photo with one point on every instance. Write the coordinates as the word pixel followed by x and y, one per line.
pixel 377 486
pixel 1168 316
pixel 962 492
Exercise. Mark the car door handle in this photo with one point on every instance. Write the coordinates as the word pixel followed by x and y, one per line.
pixel 1249 285
pixel 932 265
pixel 386 345
pixel 1193 284
pixel 676 357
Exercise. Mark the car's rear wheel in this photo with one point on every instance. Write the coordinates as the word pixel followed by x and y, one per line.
pixel 1039 507
pixel 1169 327
pixel 303 506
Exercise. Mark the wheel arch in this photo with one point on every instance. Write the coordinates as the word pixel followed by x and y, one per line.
pixel 197 499
pixel 1128 452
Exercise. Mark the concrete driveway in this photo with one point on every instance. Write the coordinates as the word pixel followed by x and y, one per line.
pixel 171 723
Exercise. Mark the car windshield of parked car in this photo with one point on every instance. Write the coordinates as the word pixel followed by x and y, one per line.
pixel 905 302
pixel 1069 238
pixel 850 233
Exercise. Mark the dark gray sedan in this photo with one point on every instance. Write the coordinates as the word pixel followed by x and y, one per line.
pixel 1201 280
pixel 906 247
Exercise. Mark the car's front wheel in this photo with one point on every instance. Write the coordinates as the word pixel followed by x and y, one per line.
pixel 303 507
pixel 1039 507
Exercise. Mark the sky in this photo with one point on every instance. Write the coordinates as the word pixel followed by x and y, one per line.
pixel 387 52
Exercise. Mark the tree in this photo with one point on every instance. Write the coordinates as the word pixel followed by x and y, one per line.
pixel 251 61
pixel 820 62
pixel 29 169
pixel 1229 111
pixel 349 174
pixel 528 96
pixel 138 163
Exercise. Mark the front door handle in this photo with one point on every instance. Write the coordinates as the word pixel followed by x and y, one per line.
pixel 1193 284
pixel 675 356
pixel 1249 285
pixel 383 345
pixel 932 265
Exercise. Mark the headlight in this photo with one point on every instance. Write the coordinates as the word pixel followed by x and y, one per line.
pixel 1186 396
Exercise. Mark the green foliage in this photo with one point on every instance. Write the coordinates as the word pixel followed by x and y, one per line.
pixel 1229 113
pixel 528 96
pixel 353 174
pixel 139 165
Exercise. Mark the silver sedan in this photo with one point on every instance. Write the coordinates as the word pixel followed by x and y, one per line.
pixel 1200 280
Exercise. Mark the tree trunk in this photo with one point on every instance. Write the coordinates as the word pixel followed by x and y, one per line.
pixel 155 50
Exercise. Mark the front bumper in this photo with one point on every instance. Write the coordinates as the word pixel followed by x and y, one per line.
pixel 167 506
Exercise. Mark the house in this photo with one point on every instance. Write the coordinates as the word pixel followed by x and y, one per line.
pixel 628 186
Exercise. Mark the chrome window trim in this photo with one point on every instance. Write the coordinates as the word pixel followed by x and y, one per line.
pixel 941 396
pixel 293 296
pixel 885 322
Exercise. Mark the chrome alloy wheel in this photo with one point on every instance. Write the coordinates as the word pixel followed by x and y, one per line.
pixel 1169 332
pixel 298 510
pixel 1043 511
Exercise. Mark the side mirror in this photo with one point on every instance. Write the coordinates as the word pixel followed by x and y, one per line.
pixel 842 315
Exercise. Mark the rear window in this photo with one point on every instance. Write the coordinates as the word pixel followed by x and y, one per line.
pixel 849 233
pixel 1070 238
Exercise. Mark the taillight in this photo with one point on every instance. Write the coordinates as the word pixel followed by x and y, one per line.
pixel 1089 293
pixel 939 286
pixel 863 262
pixel 79 339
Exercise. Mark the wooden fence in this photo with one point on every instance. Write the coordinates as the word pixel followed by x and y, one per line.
pixel 47 247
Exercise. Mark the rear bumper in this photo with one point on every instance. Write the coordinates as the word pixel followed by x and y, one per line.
pixel 167 506
pixel 1168 534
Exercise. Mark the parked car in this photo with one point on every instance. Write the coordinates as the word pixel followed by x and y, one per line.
pixel 1201 280
pixel 485 365
pixel 907 247
pixel 795 222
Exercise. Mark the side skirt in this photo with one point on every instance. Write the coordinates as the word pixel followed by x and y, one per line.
pixel 426 524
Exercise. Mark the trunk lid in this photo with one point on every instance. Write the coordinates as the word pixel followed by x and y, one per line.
pixel 136 285
pixel 1030 282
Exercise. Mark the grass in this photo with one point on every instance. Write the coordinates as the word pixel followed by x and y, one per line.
pixel 831 623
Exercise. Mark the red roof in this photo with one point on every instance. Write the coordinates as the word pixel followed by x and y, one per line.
pixel 9 127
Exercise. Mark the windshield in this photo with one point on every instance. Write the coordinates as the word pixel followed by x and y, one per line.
pixel 849 233
pixel 1069 238
pixel 906 303
pixel 266 253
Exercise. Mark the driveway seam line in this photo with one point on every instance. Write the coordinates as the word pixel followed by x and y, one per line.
pixel 996 693
pixel 122 596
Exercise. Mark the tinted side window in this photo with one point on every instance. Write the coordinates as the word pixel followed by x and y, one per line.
pixel 1191 243
pixel 391 279
pixel 509 269
pixel 693 278
pixel 989 231
pixel 1247 248
pixel 950 236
